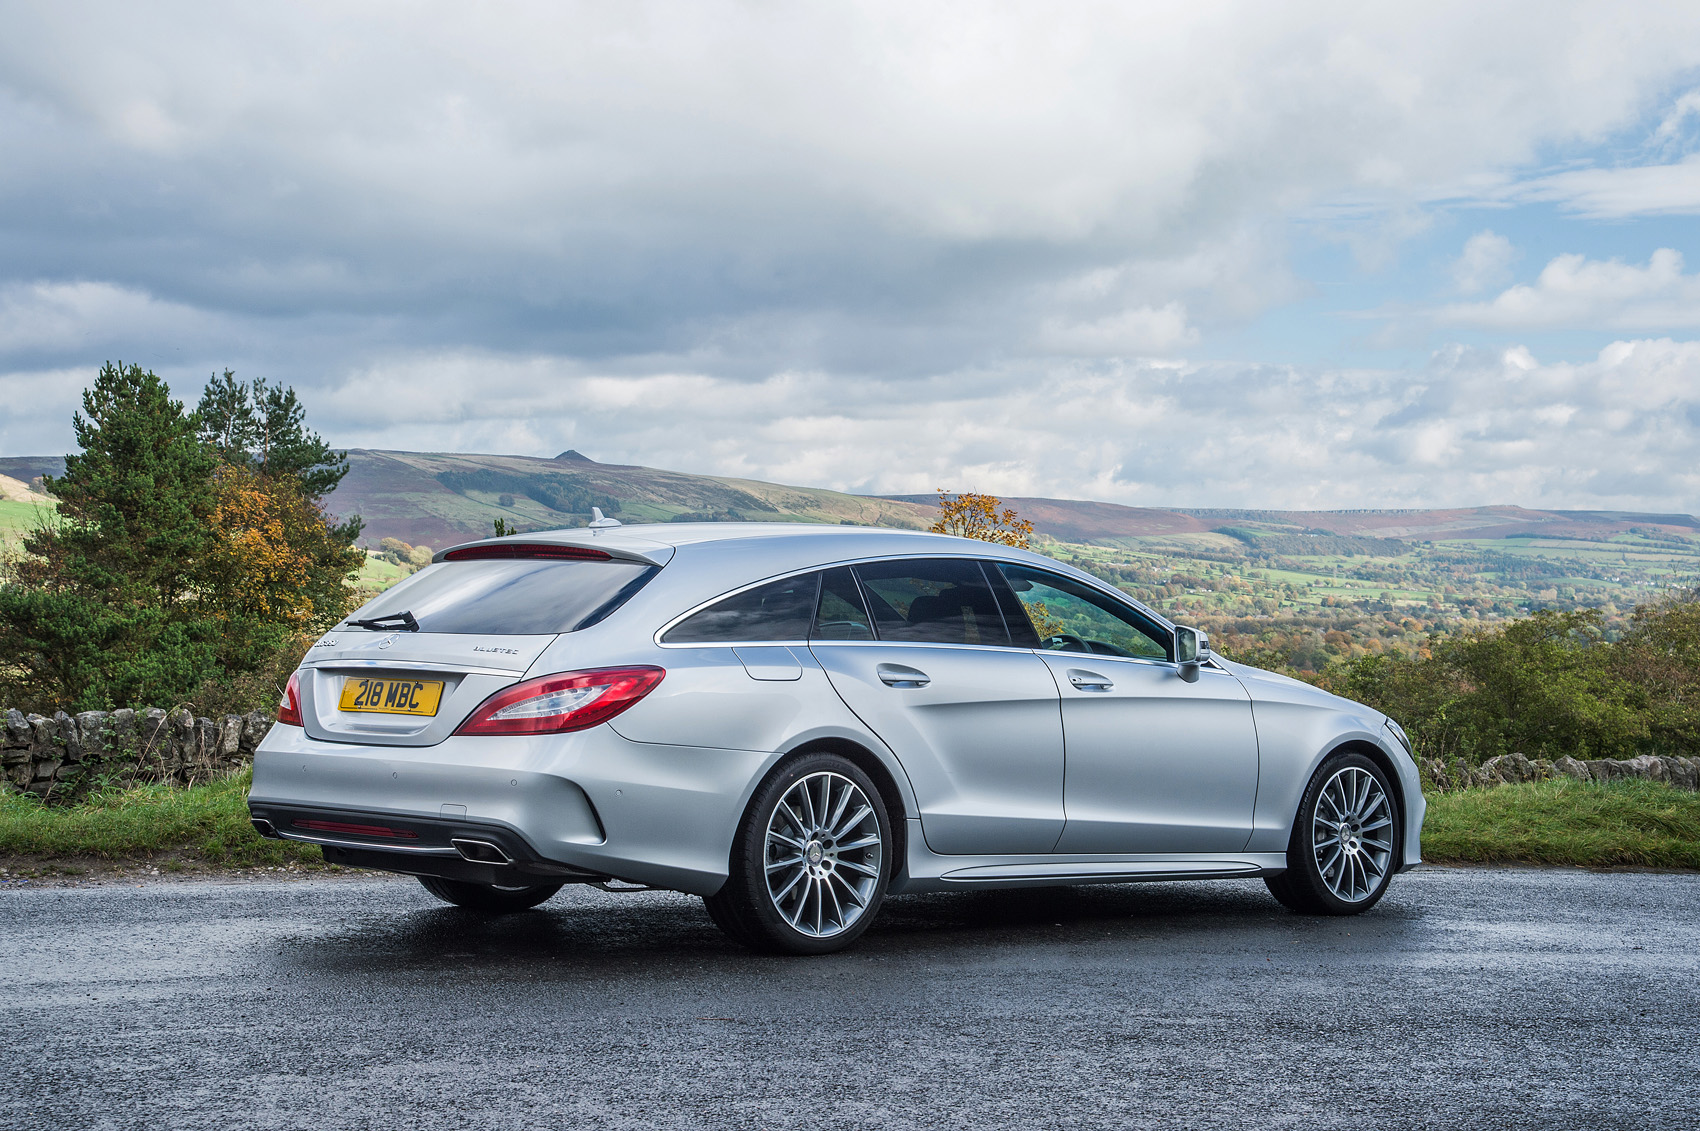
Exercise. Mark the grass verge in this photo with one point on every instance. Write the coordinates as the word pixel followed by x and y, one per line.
pixel 208 823
pixel 1555 822
pixel 1642 824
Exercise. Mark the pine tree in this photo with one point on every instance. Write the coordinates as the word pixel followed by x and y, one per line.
pixel 104 610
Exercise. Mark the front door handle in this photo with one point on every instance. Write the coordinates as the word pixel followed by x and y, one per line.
pixel 1089 681
pixel 896 675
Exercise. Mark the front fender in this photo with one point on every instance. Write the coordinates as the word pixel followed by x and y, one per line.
pixel 1298 726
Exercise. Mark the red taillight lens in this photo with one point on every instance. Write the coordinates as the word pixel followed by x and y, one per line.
pixel 289 710
pixel 559 703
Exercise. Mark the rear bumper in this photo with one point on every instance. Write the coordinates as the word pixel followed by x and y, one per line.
pixel 586 806
pixel 473 851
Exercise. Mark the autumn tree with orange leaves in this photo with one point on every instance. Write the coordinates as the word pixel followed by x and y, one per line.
pixel 970 515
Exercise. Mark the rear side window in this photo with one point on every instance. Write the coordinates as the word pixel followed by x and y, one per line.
pixel 933 601
pixel 520 597
pixel 841 614
pixel 779 610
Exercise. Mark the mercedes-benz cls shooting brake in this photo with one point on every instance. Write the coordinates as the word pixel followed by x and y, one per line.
pixel 794 722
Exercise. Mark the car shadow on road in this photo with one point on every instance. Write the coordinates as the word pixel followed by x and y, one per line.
pixel 581 933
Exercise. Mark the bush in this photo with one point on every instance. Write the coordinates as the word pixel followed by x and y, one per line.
pixel 1549 685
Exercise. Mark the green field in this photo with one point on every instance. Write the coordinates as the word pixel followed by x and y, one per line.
pixel 16 519
pixel 1638 824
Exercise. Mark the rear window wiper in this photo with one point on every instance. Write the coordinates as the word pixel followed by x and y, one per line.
pixel 402 620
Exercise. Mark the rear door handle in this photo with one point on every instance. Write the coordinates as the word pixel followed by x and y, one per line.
pixel 1089 681
pixel 896 675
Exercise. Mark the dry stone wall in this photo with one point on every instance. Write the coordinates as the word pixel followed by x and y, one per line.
pixel 61 757
pixel 1503 769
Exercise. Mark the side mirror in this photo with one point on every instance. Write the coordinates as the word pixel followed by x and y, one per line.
pixel 1192 650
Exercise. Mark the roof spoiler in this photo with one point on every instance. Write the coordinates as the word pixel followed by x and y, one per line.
pixel 513 548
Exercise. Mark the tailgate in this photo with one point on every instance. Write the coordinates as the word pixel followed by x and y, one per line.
pixel 468 668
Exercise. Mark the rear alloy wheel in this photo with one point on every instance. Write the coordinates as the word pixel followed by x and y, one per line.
pixel 1344 844
pixel 494 898
pixel 808 871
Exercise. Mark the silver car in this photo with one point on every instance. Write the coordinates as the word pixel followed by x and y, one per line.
pixel 795 721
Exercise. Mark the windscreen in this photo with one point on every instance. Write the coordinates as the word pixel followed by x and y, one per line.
pixel 525 597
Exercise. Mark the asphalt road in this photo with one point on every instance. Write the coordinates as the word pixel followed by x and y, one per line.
pixel 1469 998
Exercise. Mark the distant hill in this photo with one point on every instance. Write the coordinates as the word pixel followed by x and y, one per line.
pixel 437 499
pixel 1071 521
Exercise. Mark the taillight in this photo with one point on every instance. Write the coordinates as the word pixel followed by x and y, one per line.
pixel 555 704
pixel 289 709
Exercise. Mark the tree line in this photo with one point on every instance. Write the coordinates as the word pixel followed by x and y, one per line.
pixel 191 557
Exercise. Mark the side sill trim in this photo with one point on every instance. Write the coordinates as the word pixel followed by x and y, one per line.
pixel 1103 870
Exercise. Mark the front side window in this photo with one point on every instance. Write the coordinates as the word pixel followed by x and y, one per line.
pixel 1072 617
pixel 932 601
pixel 779 610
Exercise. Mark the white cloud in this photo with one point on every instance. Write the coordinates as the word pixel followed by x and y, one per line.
pixel 1485 261
pixel 1619 431
pixel 1574 292
pixel 64 317
pixel 1618 193
pixel 1129 333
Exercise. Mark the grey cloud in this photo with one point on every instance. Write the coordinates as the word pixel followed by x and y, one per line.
pixel 886 246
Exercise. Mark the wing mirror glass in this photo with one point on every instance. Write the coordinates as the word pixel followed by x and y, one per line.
pixel 1192 649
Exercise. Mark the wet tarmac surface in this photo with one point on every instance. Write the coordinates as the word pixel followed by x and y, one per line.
pixel 1469 998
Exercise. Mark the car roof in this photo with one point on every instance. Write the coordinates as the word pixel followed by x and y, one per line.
pixel 643 540
pixel 721 556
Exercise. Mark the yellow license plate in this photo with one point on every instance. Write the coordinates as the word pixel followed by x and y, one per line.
pixel 392 696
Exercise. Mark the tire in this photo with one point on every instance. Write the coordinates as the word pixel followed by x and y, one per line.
pixel 493 898
pixel 1345 841
pixel 810 862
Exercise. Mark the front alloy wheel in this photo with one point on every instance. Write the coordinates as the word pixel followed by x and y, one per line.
pixel 1344 843
pixel 809 869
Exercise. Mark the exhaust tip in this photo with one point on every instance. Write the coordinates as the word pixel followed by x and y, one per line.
pixel 481 851
pixel 264 828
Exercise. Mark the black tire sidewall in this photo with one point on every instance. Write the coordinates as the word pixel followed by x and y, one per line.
pixel 1301 859
pixel 766 928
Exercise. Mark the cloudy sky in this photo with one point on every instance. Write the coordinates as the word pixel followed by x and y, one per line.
pixel 1296 255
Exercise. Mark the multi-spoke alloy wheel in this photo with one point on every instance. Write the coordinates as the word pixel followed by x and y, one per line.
pixel 824 852
pixel 1352 834
pixel 1345 840
pixel 809 869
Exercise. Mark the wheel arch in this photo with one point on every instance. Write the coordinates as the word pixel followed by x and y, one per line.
pixel 1384 762
pixel 896 809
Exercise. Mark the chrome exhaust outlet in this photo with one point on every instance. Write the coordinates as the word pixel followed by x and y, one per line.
pixel 264 828
pixel 480 851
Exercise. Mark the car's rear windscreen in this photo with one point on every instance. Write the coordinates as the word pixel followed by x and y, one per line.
pixel 524 597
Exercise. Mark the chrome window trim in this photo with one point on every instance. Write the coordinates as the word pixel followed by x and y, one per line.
pixel 1097 584
pixel 821 568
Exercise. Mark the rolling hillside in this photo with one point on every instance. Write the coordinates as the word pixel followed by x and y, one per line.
pixel 436 498
pixel 1334 582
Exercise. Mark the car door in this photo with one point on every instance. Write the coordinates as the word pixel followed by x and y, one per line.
pixel 920 651
pixel 1154 764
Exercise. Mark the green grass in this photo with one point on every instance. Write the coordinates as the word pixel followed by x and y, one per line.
pixel 1644 824
pixel 1556 822
pixel 208 823
pixel 16 520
